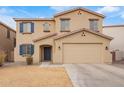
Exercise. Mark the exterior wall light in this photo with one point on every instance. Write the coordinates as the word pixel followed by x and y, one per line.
pixel 106 48
pixel 59 47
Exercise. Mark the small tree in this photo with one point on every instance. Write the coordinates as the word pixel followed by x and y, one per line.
pixel 2 57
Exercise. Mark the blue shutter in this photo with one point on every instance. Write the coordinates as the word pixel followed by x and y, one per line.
pixel 32 49
pixel 21 49
pixel 29 47
pixel 21 27
pixel 32 27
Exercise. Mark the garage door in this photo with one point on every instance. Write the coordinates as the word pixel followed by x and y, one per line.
pixel 82 53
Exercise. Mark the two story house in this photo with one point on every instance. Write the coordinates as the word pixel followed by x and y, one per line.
pixel 72 36
pixel 7 41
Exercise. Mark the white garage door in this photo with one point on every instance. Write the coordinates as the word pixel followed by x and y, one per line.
pixel 82 53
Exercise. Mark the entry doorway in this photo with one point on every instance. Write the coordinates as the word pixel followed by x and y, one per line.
pixel 47 53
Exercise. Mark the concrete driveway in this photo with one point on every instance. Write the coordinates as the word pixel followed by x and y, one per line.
pixel 95 75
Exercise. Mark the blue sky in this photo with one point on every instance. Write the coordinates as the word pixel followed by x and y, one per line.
pixel 114 14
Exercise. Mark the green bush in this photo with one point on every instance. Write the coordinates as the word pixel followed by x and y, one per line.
pixel 2 57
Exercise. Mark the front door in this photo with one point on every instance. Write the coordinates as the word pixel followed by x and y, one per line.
pixel 47 53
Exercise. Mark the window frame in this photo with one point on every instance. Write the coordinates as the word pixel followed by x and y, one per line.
pixel 8 34
pixel 23 27
pixel 14 42
pixel 61 19
pixel 94 28
pixel 27 49
pixel 44 30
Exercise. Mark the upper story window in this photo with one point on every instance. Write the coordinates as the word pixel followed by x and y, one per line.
pixel 14 42
pixel 94 24
pixel 46 27
pixel 65 24
pixel 8 33
pixel 26 27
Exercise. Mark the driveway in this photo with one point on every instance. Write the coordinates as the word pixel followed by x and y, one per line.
pixel 95 75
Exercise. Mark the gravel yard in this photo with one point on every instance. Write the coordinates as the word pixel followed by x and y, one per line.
pixel 34 76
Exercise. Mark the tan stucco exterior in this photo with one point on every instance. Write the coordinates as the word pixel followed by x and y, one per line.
pixel 7 44
pixel 77 38
pixel 78 21
pixel 116 45
pixel 57 41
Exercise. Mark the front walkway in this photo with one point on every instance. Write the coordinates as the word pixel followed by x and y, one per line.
pixel 95 75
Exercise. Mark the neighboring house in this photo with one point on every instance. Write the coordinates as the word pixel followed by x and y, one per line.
pixel 7 41
pixel 73 36
pixel 117 44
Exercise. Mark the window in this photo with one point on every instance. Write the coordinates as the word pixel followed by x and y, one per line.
pixel 14 42
pixel 26 27
pixel 46 27
pixel 94 24
pixel 26 49
pixel 65 23
pixel 8 33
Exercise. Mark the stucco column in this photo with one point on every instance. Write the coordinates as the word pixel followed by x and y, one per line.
pixel 36 54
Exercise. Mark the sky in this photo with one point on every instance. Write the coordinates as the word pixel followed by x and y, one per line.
pixel 114 14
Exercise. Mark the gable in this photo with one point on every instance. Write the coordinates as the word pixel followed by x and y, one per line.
pixel 79 38
pixel 84 35
pixel 7 27
pixel 79 13
pixel 81 10
pixel 78 21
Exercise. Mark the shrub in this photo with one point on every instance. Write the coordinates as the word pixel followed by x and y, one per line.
pixel 2 57
pixel 29 60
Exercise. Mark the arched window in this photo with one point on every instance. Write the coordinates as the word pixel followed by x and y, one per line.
pixel 46 27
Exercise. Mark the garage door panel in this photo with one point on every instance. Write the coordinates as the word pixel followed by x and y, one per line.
pixel 82 53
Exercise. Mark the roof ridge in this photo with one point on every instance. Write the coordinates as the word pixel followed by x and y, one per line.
pixel 7 26
pixel 101 34
pixel 80 30
pixel 16 19
pixel 84 9
pixel 63 12
pixel 118 25
pixel 45 36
